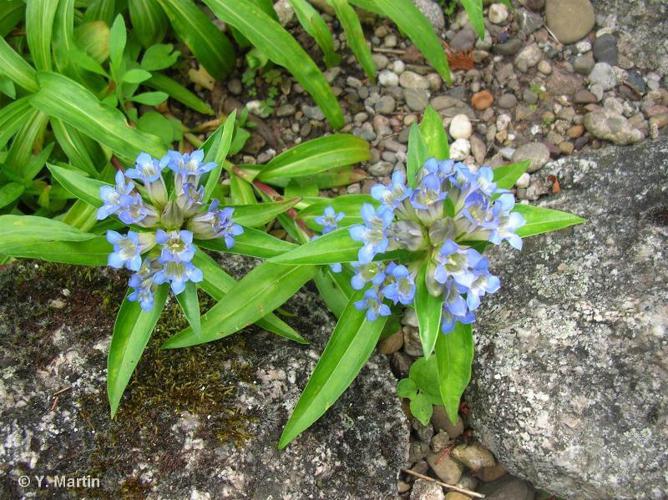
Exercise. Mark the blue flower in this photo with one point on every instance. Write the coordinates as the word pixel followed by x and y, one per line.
pixel 114 198
pixel 393 195
pixel 484 283
pixel 177 246
pixel 135 211
pixel 216 223
pixel 373 272
pixel 373 303
pixel 329 220
pixel 401 284
pixel 373 233
pixel 127 250
pixel 147 169
pixel 177 274
pixel 428 193
pixel 190 199
pixel 455 308
pixel 508 222
pixel 454 261
pixel 187 167
pixel 143 285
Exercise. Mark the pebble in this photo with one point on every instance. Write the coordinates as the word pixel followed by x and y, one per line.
pixel 569 20
pixel 390 41
pixel 57 304
pixel 529 96
pixel 285 110
pixel 523 181
pixel 478 149
pixel 605 49
pixel 508 48
pixel 460 127
pixel 575 131
pixel 313 113
pixel 448 470
pixel 411 80
pixel 536 152
pixel 426 490
pixel 584 64
pixel 566 148
pixel 398 66
pixel 460 149
pixel 473 456
pixel 545 67
pixel 432 11
pixel 439 441
pixel 528 57
pixel 441 422
pixel 583 46
pixel 492 473
pixel 603 75
pixel 388 78
pixel 380 60
pixel 502 122
pixel 455 495
pixel 416 99
pixel 391 343
pixel 507 101
pixel 528 21
pixel 497 13
pixel 611 126
pixel 584 97
pixel 464 40
pixel 234 86
pixel 482 100
pixel 385 105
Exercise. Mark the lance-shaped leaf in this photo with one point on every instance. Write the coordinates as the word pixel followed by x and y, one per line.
pixel 261 291
pixel 12 117
pixel 26 141
pixel 93 252
pixel 329 248
pixel 30 229
pixel 506 176
pixel 348 349
pixel 417 27
pixel 190 306
pixel 217 283
pixel 454 356
pixel 334 288
pixel 541 220
pixel 83 152
pixel 132 331
pixel 259 214
pixel 315 26
pixel 281 48
pixel 14 67
pixel 178 92
pixel 149 21
pixel 218 154
pixel 10 15
pixel 252 243
pixel 316 156
pixel 354 36
pixel 10 192
pixel 350 205
pixel 210 46
pixel 417 154
pixel 84 188
pixel 428 310
pixel 474 10
pixel 77 106
pixel 39 28
pixel 433 133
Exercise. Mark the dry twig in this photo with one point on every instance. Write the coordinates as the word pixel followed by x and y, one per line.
pixel 445 485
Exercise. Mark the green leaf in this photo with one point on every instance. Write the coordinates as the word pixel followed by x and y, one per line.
pixel 316 156
pixel 350 205
pixel 355 36
pixel 421 408
pixel 346 352
pixel 424 373
pixel 132 331
pixel 150 98
pixel 278 45
pixel 83 153
pixel 210 46
pixel 315 26
pixel 179 93
pixel 428 310
pixel 77 106
pixel 406 388
pixel 474 10
pixel 26 141
pixel 417 154
pixel 10 192
pixel 84 188
pixel 93 252
pixel 117 40
pixel 30 229
pixel 39 28
pixel 329 248
pixel 10 15
pixel 160 56
pixel 217 283
pixel 417 27
pixel 14 67
pixel 148 20
pixel 218 154
pixel 12 117
pixel 190 306
pixel 261 291
pixel 136 76
pixel 434 134
pixel 169 129
pixel 506 176
pixel 539 220
pixel 454 356
pixel 101 10
pixel 328 287
pixel 253 243
pixel 259 214
pixel 241 191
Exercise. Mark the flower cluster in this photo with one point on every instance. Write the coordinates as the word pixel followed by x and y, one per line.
pixel 167 221
pixel 450 209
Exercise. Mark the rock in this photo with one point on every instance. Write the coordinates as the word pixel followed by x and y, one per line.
pixel 194 423
pixel 416 99
pixel 482 100
pixel 523 181
pixel 284 11
pixel 426 490
pixel 433 12
pixel 388 78
pixel 569 20
pixel 455 495
pixel 381 169
pixel 584 64
pixel 611 126
pixel 602 74
pixel 313 113
pixel 478 149
pixel 492 473
pixel 464 40
pixel 535 5
pixel 385 105
pixel 474 456
pixel 605 49
pixel 507 101
pixel 508 48
pixel 460 149
pixel 460 127
pixel 592 422
pixel 545 67
pixel 497 13
pixel 508 488
pixel 441 422
pixel 528 57
pixel 536 152
pixel 448 470
pixel 286 109
pixel 528 21
pixel 563 83
pixel 411 80
pixel 584 97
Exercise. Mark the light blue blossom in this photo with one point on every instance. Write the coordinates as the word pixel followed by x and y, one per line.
pixel 400 287
pixel 454 261
pixel 393 194
pixel 373 303
pixel 373 272
pixel 127 250
pixel 484 283
pixel 177 274
pixel 373 233
pixel 455 308
pixel 428 193
pixel 216 223
pixel 143 285
pixel 147 169
pixel 190 199
pixel 114 198
pixel 187 167
pixel 177 246
pixel 135 211
pixel 329 220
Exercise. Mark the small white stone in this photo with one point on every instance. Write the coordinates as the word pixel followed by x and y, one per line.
pixel 388 78
pixel 460 149
pixel 460 127
pixel 398 66
pixel 502 122
pixel 545 67
pixel 523 181
pixel 583 46
pixel 498 13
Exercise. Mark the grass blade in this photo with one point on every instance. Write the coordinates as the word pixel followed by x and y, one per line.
pixel 434 135
pixel 454 356
pixel 428 310
pixel 149 21
pixel 39 28
pixel 315 26
pixel 474 10
pixel 14 67
pixel 355 36
pixel 539 220
pixel 178 92
pixel 12 117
